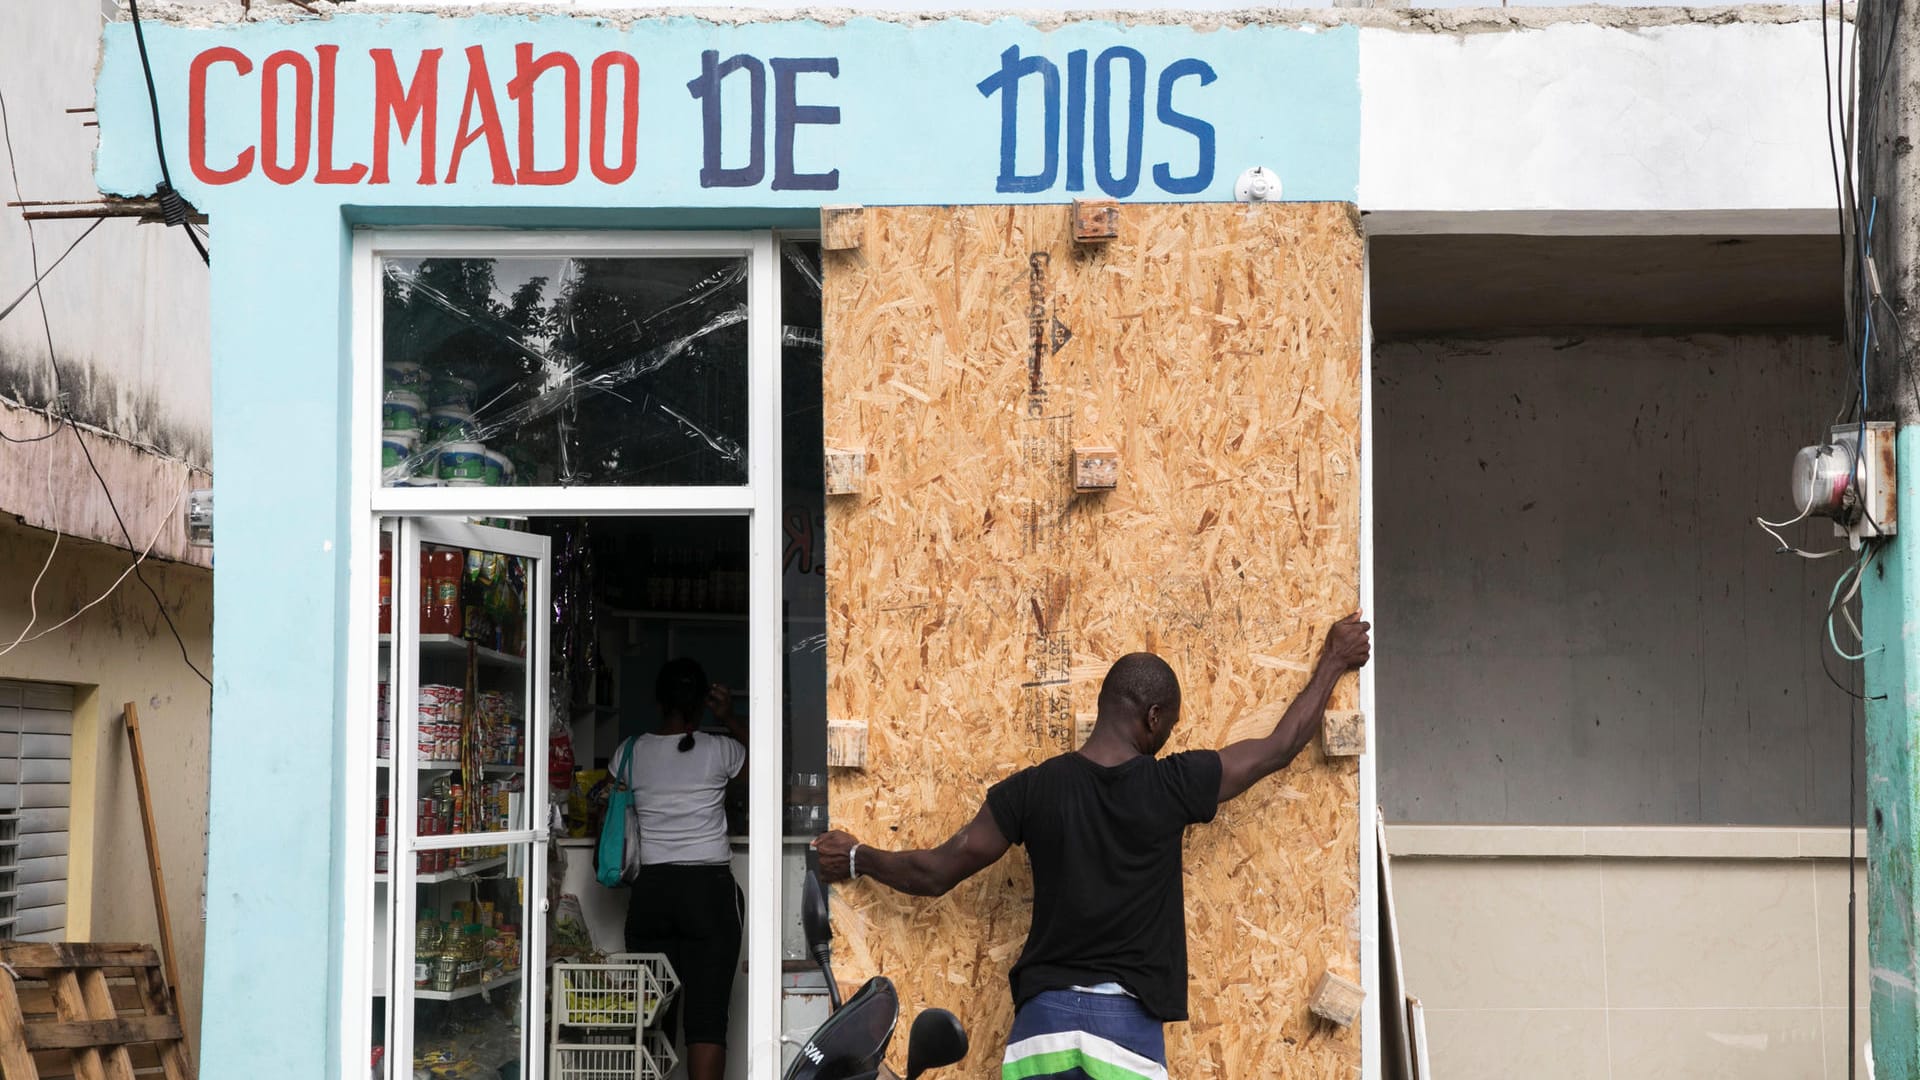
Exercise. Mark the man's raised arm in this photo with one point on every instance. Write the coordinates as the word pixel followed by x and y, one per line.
pixel 1249 761
pixel 926 872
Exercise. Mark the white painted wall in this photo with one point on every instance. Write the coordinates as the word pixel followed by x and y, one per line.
pixel 1579 622
pixel 1570 120
pixel 1697 961
pixel 129 308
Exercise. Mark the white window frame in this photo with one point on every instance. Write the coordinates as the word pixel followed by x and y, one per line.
pixel 758 500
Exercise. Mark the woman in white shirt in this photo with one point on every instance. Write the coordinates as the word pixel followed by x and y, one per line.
pixel 685 903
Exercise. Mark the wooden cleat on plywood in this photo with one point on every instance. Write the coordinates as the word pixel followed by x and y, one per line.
pixel 1096 221
pixel 846 744
pixel 1344 734
pixel 842 228
pixel 1337 1000
pixel 1096 468
pixel 846 471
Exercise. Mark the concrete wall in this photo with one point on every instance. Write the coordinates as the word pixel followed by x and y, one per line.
pixel 127 312
pixel 1578 620
pixel 121 651
pixel 1587 119
pixel 129 307
pixel 1684 954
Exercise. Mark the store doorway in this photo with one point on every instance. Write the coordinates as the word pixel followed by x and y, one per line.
pixel 633 393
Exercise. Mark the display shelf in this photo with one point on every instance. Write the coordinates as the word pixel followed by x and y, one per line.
pixel 453 647
pixel 454 874
pixel 467 991
pixel 449 766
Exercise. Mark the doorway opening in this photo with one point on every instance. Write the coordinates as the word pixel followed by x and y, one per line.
pixel 539 655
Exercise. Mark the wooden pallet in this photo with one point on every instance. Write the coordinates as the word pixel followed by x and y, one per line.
pixel 92 1012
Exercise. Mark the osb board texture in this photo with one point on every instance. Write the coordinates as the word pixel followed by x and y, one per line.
pixel 974 601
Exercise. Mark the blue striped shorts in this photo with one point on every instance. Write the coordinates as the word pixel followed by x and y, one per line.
pixel 1071 1035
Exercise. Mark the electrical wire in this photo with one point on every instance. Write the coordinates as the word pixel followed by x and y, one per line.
pixel 46 325
pixel 1838 603
pixel 172 206
pixel 138 575
pixel 66 418
pixel 1833 145
pixel 132 568
pixel 1772 529
pixel 33 251
pixel 33 593
pixel 42 275
pixel 1865 305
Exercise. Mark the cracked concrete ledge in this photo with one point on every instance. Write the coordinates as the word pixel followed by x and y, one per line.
pixel 10 405
pixel 1367 13
pixel 50 484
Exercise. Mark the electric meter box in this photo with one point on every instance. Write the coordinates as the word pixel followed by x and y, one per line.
pixel 1873 510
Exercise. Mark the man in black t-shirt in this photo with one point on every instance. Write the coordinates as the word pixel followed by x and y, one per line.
pixel 1105 964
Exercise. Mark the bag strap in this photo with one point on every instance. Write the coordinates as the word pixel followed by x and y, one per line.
pixel 621 770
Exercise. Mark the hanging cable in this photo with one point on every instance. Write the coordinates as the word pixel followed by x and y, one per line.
pixel 42 275
pixel 1773 528
pixel 128 536
pixel 1838 604
pixel 173 208
pixel 33 253
pixel 33 592
pixel 65 419
pixel 109 591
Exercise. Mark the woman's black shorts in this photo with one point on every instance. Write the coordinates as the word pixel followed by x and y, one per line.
pixel 692 914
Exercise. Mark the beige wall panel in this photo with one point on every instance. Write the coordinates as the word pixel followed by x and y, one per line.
pixel 118 651
pixel 974 600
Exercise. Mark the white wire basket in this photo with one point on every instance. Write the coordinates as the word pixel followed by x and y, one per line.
pixel 662 980
pixel 659 1049
pixel 602 1063
pixel 652 1059
pixel 628 991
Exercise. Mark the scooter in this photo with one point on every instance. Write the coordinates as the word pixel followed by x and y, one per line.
pixel 851 1044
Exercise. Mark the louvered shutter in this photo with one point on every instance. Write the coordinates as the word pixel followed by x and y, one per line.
pixel 36 772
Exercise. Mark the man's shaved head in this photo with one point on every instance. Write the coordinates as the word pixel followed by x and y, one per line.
pixel 1137 682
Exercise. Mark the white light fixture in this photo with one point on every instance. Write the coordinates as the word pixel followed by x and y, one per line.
pixel 1258 184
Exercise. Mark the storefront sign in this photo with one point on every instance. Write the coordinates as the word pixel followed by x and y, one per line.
pixel 681 112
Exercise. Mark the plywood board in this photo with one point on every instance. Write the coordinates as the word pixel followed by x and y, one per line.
pixel 975 600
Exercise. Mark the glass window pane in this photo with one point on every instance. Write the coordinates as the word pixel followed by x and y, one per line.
pixel 803 600
pixel 555 371
pixel 470 723
pixel 803 627
pixel 469 964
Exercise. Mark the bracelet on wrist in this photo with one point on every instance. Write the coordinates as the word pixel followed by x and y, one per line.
pixel 853 867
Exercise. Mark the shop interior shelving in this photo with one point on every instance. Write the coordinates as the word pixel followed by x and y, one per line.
pixel 442 649
pixel 494 983
pixel 454 647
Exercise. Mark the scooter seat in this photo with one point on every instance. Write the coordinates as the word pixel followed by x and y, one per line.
pixel 852 1043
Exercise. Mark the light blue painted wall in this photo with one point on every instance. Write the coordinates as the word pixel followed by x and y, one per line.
pixel 913 128
pixel 1892 668
pixel 913 125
